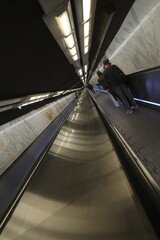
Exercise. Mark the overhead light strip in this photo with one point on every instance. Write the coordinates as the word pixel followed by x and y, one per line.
pixel 80 72
pixel 85 68
pixel 86 23
pixel 64 24
pixel 86 29
pixel 69 41
pixel 86 10
pixel 75 57
pixel 86 41
pixel 85 49
pixel 73 51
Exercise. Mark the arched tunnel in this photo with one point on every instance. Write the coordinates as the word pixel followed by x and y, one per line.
pixel 73 164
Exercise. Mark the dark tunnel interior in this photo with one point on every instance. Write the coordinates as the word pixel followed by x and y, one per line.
pixel 73 163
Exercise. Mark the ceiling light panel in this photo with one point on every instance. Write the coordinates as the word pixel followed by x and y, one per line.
pixel 64 23
pixel 85 50
pixel 86 10
pixel 63 29
pixel 73 51
pixel 85 68
pixel 75 57
pixel 80 72
pixel 86 29
pixel 86 41
pixel 69 41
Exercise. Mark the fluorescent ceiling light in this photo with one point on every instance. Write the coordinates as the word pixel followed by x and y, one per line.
pixel 80 72
pixel 75 57
pixel 69 41
pixel 85 68
pixel 85 49
pixel 32 98
pixel 59 92
pixel 86 9
pixel 73 51
pixel 86 29
pixel 86 41
pixel 64 23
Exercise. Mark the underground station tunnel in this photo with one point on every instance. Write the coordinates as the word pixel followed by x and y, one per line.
pixel 73 164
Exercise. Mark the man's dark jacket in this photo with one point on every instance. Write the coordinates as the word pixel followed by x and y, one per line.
pixel 114 76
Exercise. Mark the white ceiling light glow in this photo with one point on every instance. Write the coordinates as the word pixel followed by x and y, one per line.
pixel 86 41
pixel 86 24
pixel 85 50
pixel 86 9
pixel 75 57
pixel 80 72
pixel 85 68
pixel 68 35
pixel 64 23
pixel 69 41
pixel 86 29
pixel 73 51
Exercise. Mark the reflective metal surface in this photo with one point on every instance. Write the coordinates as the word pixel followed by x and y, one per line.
pixel 80 191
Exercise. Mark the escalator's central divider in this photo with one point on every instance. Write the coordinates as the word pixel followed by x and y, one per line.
pixel 16 178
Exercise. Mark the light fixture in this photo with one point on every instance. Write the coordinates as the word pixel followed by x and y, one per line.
pixel 73 51
pixel 69 41
pixel 86 5
pixel 86 9
pixel 39 96
pixel 32 98
pixel 64 23
pixel 68 35
pixel 86 41
pixel 75 57
pixel 86 29
pixel 85 50
pixel 85 68
pixel 80 72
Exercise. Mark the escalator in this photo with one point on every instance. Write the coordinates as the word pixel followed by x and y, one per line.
pixel 80 190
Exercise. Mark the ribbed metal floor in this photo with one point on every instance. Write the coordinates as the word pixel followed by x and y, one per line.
pixel 80 191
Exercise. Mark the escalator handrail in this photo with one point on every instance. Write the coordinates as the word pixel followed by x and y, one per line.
pixel 14 180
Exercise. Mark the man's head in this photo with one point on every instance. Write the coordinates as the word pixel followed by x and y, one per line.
pixel 106 63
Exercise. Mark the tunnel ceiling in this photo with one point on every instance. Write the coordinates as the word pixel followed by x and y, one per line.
pixel 31 60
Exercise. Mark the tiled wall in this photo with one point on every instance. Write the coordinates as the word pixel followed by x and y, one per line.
pixel 18 134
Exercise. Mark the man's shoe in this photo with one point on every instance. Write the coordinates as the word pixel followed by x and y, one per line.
pixel 129 111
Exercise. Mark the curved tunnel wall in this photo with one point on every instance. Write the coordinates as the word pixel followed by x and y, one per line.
pixel 136 47
pixel 17 135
